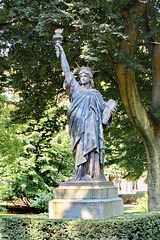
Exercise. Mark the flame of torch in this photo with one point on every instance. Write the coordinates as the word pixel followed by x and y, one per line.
pixel 58 38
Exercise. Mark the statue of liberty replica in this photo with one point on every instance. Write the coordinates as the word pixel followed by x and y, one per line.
pixel 88 115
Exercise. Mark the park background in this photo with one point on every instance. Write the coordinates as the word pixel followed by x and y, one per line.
pixel 122 40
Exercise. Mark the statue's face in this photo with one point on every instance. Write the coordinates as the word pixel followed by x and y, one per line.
pixel 85 78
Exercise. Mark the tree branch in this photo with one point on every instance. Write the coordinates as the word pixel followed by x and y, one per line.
pixel 156 78
pixel 131 28
pixel 154 52
pixel 2 25
pixel 146 29
pixel 126 76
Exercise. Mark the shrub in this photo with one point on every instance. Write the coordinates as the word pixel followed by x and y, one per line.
pixel 146 227
pixel 131 198
pixel 3 209
pixel 41 201
pixel 142 204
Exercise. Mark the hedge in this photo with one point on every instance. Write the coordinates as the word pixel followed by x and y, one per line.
pixel 131 198
pixel 145 227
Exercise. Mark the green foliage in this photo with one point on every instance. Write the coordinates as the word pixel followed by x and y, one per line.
pixel 41 166
pixel 10 144
pixel 34 156
pixel 147 227
pixel 120 140
pixel 156 111
pixel 142 203
pixel 40 202
pixel 31 60
pixel 3 209
pixel 132 198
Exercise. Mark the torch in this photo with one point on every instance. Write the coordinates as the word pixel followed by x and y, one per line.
pixel 58 38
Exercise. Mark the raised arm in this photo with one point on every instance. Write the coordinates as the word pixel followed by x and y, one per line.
pixel 64 62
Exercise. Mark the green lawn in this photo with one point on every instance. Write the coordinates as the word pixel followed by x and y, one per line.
pixel 129 212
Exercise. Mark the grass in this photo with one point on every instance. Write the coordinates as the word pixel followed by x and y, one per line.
pixel 129 213
pixel 41 215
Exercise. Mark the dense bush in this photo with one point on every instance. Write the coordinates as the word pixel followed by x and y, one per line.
pixel 3 209
pixel 146 227
pixel 131 198
pixel 41 201
pixel 142 203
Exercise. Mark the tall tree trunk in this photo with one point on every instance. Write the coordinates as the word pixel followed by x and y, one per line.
pixel 153 150
pixel 153 157
pixel 149 129
pixel 145 123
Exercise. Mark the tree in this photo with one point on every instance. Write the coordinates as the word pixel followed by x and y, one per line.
pixel 146 123
pixel 122 35
pixel 34 157
pixel 10 144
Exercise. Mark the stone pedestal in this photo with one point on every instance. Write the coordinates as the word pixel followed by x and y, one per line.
pixel 85 200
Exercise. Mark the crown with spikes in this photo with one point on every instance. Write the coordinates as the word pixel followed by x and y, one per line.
pixel 86 69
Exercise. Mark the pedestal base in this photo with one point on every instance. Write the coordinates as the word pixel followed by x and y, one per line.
pixel 85 200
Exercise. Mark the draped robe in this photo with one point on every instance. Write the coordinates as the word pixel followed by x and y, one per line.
pixel 85 121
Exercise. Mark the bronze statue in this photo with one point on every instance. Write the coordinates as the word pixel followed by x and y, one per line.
pixel 88 115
